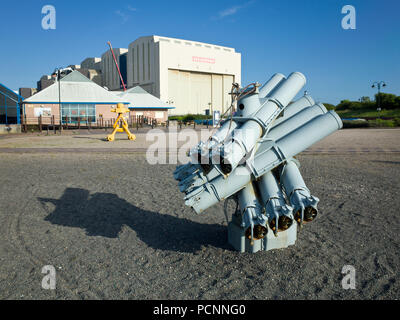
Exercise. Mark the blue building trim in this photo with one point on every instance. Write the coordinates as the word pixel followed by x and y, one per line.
pixel 17 102
pixel 19 97
pixel 151 108
pixel 27 102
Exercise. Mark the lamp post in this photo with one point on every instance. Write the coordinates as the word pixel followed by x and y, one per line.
pixel 379 84
pixel 58 72
pixel 169 102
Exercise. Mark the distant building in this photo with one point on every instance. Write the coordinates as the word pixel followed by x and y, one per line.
pixel 74 66
pixel 45 81
pixel 142 103
pixel 191 76
pixel 10 103
pixel 27 92
pixel 91 63
pixel 91 74
pixel 110 75
pixel 83 100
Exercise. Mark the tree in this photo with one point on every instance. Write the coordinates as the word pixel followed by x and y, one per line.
pixel 365 99
pixel 343 105
pixel 386 100
pixel 329 106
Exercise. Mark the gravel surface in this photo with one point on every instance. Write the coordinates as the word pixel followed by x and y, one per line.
pixel 116 227
pixel 349 140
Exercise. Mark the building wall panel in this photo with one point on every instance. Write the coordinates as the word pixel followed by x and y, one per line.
pixel 151 58
pixel 200 93
pixel 227 87
pixel 217 92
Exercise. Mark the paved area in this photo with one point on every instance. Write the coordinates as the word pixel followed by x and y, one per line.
pixel 343 141
pixel 116 227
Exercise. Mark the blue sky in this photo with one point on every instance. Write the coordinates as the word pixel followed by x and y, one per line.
pixel 272 36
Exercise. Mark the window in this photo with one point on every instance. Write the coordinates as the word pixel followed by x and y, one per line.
pixel 85 112
pixel 159 114
pixel 9 106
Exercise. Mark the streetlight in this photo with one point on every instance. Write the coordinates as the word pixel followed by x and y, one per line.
pixel 379 85
pixel 58 72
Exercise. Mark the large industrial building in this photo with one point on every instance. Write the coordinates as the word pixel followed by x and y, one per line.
pixel 191 76
pixel 110 75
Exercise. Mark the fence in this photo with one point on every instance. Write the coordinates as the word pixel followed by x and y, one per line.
pixel 53 122
pixel 47 123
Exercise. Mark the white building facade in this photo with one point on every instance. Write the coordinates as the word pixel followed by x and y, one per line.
pixel 190 76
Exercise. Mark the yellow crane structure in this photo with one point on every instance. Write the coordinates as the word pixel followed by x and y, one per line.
pixel 120 109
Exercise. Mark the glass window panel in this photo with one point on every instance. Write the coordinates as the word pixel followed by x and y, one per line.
pixel 11 103
pixel 2 100
pixel 83 112
pixel 11 112
pixel 2 114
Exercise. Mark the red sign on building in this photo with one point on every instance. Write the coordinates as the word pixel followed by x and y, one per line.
pixel 203 60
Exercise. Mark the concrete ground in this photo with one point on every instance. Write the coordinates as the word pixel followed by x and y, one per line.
pixel 116 227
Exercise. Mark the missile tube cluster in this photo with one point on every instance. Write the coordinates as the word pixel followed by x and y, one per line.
pixel 252 158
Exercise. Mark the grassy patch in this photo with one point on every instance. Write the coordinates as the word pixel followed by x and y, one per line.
pixel 369 113
pixel 377 123
pixel 190 117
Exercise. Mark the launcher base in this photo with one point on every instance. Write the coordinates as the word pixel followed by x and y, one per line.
pixel 238 240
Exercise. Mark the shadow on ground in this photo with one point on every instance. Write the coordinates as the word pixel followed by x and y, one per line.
pixel 104 214
pixel 387 162
pixel 94 138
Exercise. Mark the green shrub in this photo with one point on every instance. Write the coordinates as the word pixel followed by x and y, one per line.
pixel 382 123
pixel 329 106
pixel 177 118
pixel 355 124
pixel 189 117
pixel 356 105
pixel 388 100
pixel 343 105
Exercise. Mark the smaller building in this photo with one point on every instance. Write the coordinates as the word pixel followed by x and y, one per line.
pixel 10 103
pixel 142 103
pixel 84 101
pixel 81 100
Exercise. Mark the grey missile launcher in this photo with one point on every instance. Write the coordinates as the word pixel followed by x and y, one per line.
pixel 251 158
